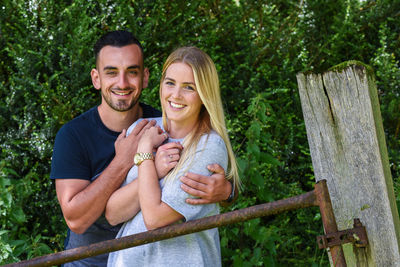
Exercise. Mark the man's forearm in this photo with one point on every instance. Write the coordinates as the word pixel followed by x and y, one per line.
pixel 83 206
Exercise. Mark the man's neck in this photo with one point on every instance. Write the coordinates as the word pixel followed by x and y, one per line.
pixel 116 120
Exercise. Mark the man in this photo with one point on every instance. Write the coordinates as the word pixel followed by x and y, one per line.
pixel 88 164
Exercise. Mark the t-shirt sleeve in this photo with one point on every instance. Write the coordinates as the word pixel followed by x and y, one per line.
pixel 209 151
pixel 69 159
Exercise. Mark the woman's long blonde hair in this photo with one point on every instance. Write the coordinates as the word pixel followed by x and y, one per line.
pixel 211 116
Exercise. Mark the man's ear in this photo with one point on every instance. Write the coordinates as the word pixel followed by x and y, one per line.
pixel 146 75
pixel 95 79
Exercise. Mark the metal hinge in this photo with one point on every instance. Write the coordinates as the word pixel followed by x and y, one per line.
pixel 357 236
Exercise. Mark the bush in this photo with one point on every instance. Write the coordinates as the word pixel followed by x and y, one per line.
pixel 258 48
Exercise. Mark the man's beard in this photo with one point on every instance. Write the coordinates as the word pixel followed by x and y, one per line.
pixel 121 105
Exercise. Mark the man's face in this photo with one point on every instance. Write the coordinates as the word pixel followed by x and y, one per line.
pixel 120 76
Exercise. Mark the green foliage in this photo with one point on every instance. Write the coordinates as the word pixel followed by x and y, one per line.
pixel 17 239
pixel 258 47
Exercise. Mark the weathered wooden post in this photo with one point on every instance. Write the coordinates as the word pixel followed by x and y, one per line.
pixel 348 149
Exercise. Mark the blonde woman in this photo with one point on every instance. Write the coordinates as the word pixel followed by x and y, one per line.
pixel 193 118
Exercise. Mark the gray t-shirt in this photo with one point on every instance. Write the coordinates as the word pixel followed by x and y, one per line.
pixel 197 249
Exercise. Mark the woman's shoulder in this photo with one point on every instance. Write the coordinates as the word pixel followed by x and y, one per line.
pixel 157 119
pixel 212 149
pixel 212 138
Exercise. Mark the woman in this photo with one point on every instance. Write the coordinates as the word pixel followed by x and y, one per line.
pixel 192 116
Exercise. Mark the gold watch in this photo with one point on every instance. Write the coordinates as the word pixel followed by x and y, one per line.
pixel 140 157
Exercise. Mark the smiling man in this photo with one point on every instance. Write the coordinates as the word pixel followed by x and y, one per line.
pixel 92 154
pixel 120 76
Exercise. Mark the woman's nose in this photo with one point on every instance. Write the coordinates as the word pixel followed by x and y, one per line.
pixel 176 92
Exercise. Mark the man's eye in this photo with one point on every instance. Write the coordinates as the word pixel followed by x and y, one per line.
pixel 133 72
pixel 111 73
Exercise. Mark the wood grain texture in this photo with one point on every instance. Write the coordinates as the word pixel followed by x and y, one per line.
pixel 348 149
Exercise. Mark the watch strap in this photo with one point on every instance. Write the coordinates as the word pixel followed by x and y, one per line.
pixel 232 195
pixel 140 157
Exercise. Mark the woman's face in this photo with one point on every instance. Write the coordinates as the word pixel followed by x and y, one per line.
pixel 179 96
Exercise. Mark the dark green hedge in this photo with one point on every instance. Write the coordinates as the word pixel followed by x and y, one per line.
pixel 45 61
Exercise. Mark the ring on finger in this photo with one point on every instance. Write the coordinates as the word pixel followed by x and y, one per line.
pixel 170 156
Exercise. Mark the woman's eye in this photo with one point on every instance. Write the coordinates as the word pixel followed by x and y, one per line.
pixel 169 83
pixel 188 87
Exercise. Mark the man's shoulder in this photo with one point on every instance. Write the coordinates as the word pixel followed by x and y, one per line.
pixel 85 116
pixel 149 111
pixel 82 118
pixel 80 123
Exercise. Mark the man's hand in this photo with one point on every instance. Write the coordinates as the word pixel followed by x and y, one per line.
pixel 167 157
pixel 126 146
pixel 210 189
pixel 82 202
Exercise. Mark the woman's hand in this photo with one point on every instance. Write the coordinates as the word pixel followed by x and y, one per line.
pixel 167 157
pixel 152 138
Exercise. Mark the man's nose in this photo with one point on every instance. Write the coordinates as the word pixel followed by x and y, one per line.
pixel 123 81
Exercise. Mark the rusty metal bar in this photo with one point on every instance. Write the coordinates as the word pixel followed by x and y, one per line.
pixel 267 209
pixel 328 220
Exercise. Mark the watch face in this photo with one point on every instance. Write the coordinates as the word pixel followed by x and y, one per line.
pixel 137 159
pixel 140 157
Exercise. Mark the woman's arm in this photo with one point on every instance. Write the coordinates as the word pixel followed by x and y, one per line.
pixel 124 202
pixel 163 208
pixel 155 212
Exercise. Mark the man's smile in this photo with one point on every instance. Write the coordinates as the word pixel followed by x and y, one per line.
pixel 121 93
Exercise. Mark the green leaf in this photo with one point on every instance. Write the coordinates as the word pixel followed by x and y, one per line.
pixel 268 158
pixel 18 215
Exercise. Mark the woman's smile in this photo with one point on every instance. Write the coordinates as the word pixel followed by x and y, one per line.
pixel 179 97
pixel 176 105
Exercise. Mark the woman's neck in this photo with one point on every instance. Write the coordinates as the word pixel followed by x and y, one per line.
pixel 177 131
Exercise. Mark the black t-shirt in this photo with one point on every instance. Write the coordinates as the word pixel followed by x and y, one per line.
pixel 82 150
pixel 85 146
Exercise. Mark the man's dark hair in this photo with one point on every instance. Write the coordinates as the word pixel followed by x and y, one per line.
pixel 116 38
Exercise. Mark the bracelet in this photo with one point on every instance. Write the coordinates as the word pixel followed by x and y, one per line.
pixel 232 195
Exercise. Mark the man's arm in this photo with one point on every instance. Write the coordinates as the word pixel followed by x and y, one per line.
pixel 83 202
pixel 210 189
pixel 123 203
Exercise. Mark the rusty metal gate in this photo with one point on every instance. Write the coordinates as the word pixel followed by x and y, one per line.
pixel 332 240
